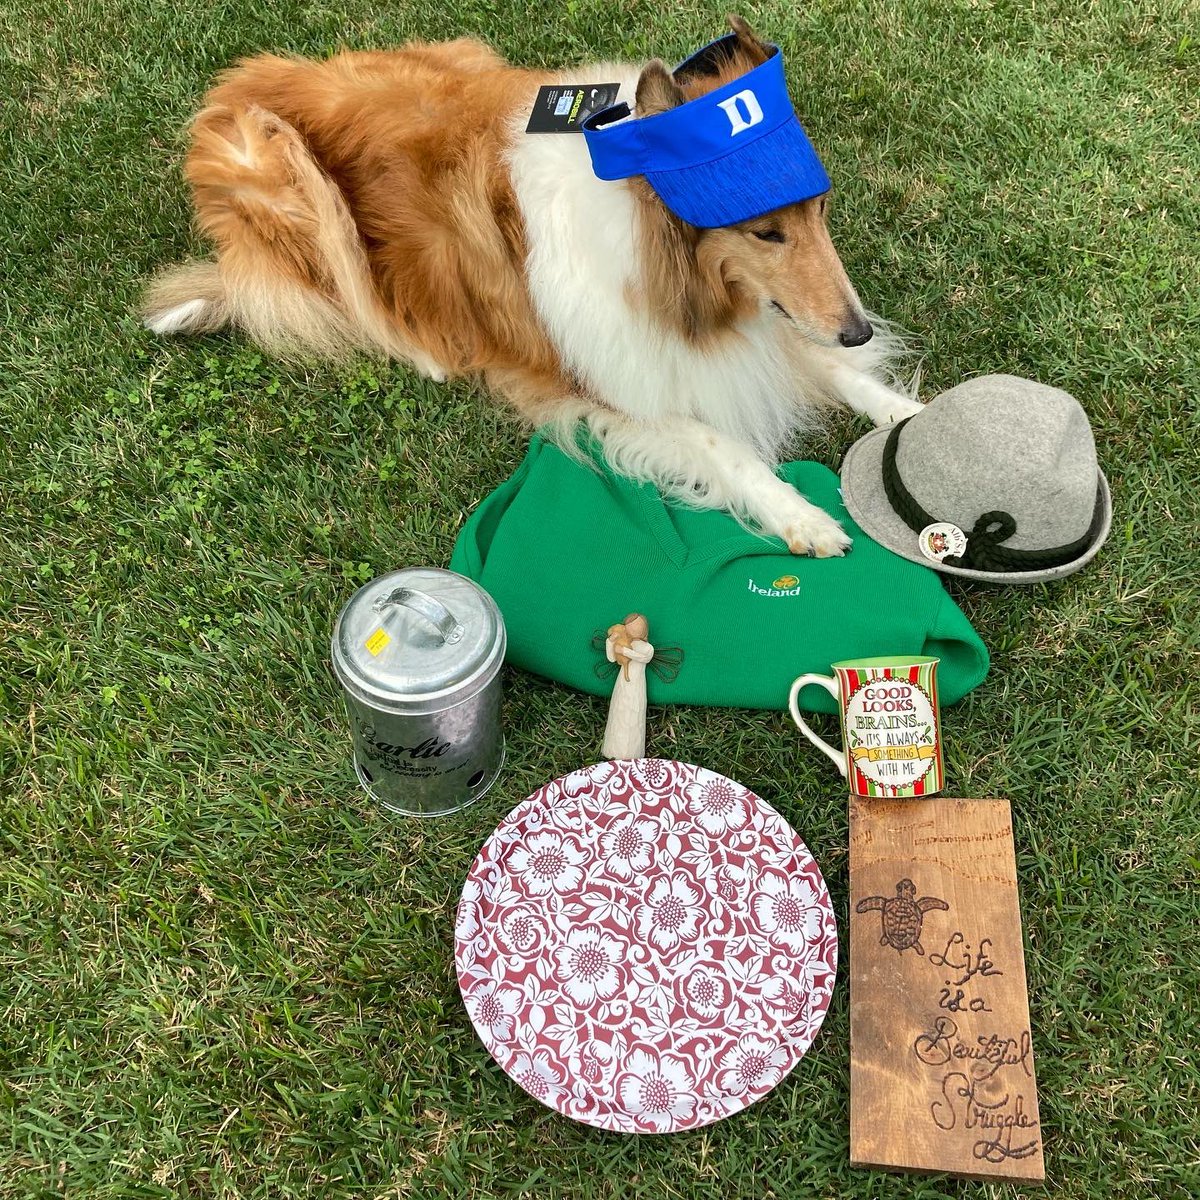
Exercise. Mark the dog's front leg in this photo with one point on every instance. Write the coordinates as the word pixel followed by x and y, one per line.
pixel 694 463
pixel 864 393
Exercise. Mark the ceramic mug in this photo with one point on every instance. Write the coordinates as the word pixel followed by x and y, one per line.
pixel 891 729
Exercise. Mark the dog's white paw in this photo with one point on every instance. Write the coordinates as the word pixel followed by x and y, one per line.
pixel 429 367
pixel 895 409
pixel 816 534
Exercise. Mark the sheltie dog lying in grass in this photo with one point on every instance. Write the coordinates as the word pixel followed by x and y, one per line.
pixel 391 202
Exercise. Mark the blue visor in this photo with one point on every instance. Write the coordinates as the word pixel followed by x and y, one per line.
pixel 728 156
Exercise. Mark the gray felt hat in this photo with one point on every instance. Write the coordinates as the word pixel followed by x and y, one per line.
pixel 995 480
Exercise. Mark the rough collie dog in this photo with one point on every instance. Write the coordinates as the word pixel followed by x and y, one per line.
pixel 392 202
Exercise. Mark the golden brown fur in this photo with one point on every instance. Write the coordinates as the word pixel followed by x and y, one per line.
pixel 401 150
pixel 363 202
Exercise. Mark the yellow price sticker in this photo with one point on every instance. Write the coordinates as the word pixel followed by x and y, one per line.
pixel 376 642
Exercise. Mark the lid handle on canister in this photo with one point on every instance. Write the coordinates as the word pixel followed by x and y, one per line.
pixel 433 610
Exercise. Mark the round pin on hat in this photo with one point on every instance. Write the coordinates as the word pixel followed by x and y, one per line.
pixel 942 540
pixel 994 480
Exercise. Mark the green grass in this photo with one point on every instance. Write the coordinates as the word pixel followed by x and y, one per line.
pixel 221 972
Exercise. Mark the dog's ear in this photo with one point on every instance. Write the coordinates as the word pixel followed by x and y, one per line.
pixel 749 43
pixel 657 91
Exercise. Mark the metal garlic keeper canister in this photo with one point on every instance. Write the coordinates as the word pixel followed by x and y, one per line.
pixel 418 653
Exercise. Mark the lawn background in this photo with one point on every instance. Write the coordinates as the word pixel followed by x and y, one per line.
pixel 221 972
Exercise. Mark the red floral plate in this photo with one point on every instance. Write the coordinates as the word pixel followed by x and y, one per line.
pixel 645 946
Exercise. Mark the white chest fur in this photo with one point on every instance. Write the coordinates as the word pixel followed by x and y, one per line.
pixel 584 273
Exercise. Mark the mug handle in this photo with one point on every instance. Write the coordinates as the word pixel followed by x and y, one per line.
pixel 831 686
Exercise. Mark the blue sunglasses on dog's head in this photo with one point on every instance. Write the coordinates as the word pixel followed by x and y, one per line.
pixel 726 157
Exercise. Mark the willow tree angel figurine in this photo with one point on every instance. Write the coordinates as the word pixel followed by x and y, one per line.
pixel 626 645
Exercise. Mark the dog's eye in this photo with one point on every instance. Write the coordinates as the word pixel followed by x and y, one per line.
pixel 824 205
pixel 769 235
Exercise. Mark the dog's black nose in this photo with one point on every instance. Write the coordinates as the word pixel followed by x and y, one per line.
pixel 856 332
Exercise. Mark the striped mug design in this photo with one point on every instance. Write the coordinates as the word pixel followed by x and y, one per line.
pixel 891 726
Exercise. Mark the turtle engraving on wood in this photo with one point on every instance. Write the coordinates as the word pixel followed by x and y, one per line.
pixel 901 915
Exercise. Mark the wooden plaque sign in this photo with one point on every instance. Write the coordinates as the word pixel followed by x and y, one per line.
pixel 941 1061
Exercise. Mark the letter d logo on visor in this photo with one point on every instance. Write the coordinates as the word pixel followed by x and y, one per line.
pixel 714 168
pixel 733 107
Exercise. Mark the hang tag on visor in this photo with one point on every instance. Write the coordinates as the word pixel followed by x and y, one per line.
pixel 725 157
pixel 563 107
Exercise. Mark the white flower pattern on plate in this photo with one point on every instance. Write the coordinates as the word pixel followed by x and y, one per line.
pixel 495 1008
pixel 548 862
pixel 787 909
pixel 656 1087
pixel 587 964
pixel 705 992
pixel 781 995
pixel 654 772
pixel 670 911
pixel 592 1061
pixel 627 847
pixel 521 929
pixel 716 803
pixel 729 883
pixel 536 1073
pixel 752 1064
